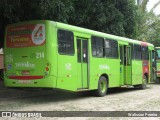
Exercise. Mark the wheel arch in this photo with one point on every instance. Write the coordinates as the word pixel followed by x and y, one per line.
pixel 107 78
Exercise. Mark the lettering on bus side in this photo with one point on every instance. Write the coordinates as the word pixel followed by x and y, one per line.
pixel 105 66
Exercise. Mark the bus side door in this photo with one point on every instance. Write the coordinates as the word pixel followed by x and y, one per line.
pixel 153 75
pixel 121 48
pixel 82 59
pixel 128 66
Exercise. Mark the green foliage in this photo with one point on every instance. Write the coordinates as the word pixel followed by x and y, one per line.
pixel 147 24
pixel 110 16
pixel 118 17
pixel 57 10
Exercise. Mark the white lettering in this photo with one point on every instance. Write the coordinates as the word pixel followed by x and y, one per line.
pixel 40 55
pixel 9 58
pixel 25 64
pixel 104 67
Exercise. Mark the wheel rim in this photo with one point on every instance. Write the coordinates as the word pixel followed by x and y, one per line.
pixel 103 86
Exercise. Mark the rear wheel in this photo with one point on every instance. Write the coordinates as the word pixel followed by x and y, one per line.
pixel 102 87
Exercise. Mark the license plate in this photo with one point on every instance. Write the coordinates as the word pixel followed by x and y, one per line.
pixel 24 82
pixel 25 72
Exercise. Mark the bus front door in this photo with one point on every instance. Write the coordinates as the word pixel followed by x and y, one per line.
pixel 82 59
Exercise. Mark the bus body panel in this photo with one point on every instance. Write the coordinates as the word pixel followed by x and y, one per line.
pixel 67 72
pixel 137 72
pixel 110 67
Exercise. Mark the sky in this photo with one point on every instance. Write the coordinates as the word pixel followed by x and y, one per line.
pixel 151 4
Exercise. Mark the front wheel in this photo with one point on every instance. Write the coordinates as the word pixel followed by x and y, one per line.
pixel 102 87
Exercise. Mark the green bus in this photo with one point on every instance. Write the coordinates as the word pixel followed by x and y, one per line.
pixel 158 63
pixel 48 54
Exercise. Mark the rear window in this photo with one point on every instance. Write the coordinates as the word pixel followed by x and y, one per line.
pixel 25 35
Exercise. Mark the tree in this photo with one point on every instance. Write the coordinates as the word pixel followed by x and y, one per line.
pixel 148 24
pixel 8 14
pixel 110 16
pixel 12 11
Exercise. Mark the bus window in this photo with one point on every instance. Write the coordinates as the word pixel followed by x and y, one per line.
pixel 132 50
pixel 158 53
pixel 128 52
pixel 121 55
pixel 137 52
pixel 65 42
pixel 111 48
pixel 145 55
pixel 97 46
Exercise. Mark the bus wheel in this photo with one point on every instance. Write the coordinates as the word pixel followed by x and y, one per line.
pixel 102 87
pixel 144 83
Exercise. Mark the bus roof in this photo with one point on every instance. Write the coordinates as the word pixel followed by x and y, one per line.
pixel 79 29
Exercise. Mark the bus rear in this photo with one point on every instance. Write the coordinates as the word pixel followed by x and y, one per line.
pixel 26 62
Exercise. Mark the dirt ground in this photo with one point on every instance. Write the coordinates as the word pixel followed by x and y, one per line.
pixel 118 99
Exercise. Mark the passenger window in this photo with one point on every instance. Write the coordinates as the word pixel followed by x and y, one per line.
pixel 137 52
pixel 111 48
pixel 65 42
pixel 97 46
pixel 145 54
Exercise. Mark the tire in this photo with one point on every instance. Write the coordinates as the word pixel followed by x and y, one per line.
pixel 136 86
pixel 1 74
pixel 144 83
pixel 158 80
pixel 102 87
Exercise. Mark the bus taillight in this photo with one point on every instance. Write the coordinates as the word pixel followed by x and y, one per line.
pixel 47 69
